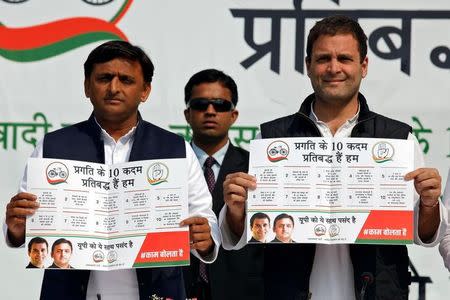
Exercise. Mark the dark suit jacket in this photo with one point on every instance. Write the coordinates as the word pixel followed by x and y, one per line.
pixel 275 240
pixel 235 274
pixel 253 240
pixel 53 266
pixel 31 266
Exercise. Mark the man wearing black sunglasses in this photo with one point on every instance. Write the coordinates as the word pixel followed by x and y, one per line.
pixel 211 97
pixel 210 109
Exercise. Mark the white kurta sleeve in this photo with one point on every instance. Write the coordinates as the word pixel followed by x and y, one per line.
pixel 230 241
pixel 443 215
pixel 444 246
pixel 200 202
pixel 37 152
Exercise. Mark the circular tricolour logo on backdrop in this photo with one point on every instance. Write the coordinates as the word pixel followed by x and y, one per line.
pixel 56 173
pixel 111 256
pixel 277 151
pixel 382 152
pixel 157 173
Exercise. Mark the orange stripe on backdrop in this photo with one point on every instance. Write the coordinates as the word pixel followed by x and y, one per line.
pixel 50 33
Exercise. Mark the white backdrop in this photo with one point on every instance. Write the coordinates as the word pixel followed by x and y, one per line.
pixel 41 72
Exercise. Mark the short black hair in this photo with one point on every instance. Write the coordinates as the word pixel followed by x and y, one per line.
pixel 258 215
pixel 282 216
pixel 119 49
pixel 36 240
pixel 61 241
pixel 337 24
pixel 211 76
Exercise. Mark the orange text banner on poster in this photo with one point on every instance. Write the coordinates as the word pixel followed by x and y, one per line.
pixel 388 227
pixel 162 249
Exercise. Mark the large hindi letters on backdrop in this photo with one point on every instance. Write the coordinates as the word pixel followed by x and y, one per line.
pixel 439 56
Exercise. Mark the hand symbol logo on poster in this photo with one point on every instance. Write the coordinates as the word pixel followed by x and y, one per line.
pixel 382 152
pixel 57 173
pixel 112 256
pixel 333 230
pixel 157 173
pixel 277 151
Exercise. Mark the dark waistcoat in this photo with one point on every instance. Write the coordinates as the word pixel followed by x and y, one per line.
pixel 83 142
pixel 387 263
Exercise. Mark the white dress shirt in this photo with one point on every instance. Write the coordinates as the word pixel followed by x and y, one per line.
pixel 332 272
pixel 122 284
pixel 218 156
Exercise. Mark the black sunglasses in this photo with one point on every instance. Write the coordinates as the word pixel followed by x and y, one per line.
pixel 201 104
